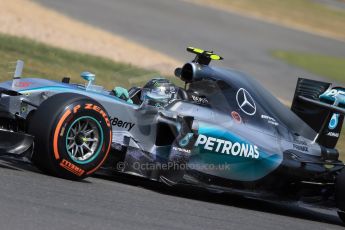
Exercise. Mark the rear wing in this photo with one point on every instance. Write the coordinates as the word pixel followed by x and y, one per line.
pixel 331 108
pixel 322 108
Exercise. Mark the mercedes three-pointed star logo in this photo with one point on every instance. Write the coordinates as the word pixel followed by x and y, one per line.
pixel 246 102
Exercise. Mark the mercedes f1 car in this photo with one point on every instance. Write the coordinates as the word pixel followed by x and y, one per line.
pixel 222 131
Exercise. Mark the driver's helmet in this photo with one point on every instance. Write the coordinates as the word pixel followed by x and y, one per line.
pixel 158 92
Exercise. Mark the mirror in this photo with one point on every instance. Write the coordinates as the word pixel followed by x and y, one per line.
pixel 90 77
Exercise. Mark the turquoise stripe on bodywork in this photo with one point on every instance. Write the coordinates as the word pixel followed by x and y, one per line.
pixel 38 84
pixel 68 90
pixel 50 88
pixel 239 168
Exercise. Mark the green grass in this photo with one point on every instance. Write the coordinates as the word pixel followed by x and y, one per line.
pixel 53 63
pixel 326 66
pixel 302 13
pixel 322 65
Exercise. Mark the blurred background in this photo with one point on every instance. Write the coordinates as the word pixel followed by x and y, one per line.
pixel 127 42
pixel 274 41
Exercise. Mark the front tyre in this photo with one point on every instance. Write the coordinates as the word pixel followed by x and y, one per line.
pixel 72 136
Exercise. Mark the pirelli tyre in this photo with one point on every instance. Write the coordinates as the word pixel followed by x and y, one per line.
pixel 72 136
pixel 340 194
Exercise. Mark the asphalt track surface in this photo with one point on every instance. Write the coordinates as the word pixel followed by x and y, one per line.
pixel 32 200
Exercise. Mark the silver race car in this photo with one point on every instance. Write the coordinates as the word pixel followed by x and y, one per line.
pixel 222 131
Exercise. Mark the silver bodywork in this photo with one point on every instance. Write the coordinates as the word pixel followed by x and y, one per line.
pixel 135 126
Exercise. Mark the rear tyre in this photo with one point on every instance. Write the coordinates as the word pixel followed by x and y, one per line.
pixel 72 136
pixel 342 216
pixel 340 194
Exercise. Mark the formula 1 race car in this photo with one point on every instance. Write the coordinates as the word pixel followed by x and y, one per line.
pixel 223 132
